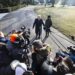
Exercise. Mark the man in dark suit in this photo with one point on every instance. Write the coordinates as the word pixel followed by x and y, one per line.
pixel 38 26
pixel 48 24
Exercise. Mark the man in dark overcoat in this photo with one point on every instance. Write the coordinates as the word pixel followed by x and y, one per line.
pixel 48 24
pixel 38 26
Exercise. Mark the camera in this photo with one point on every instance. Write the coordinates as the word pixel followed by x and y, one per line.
pixel 72 49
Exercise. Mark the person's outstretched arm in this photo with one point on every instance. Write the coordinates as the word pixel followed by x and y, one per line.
pixel 34 23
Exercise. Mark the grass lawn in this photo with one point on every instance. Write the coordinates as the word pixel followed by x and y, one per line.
pixel 63 18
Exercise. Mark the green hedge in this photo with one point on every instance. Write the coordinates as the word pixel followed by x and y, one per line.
pixel 16 7
pixel 4 10
pixel 8 9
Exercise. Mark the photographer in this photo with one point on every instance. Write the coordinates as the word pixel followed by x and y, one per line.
pixel 25 34
pixel 39 56
pixel 5 60
pixel 14 46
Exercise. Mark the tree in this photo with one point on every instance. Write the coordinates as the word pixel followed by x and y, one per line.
pixel 52 2
pixel 7 3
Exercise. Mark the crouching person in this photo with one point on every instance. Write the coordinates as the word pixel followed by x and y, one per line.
pixel 39 56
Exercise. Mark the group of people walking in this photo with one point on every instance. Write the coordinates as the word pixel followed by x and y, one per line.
pixel 38 24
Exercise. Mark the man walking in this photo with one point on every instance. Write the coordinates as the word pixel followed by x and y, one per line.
pixel 48 24
pixel 38 26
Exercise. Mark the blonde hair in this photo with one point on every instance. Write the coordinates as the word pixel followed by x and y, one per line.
pixel 39 16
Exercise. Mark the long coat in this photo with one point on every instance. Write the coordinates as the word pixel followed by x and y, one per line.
pixel 38 25
pixel 48 24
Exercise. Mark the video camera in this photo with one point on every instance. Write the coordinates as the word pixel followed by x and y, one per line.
pixel 25 44
pixel 26 32
pixel 72 49
pixel 25 35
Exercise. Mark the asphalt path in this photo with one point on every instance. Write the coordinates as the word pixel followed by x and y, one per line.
pixel 25 16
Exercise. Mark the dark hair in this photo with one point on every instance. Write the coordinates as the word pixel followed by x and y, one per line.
pixel 49 16
pixel 37 44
